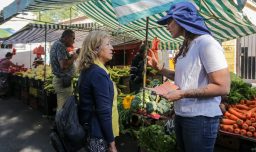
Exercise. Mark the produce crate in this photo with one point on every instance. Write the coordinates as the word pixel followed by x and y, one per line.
pixel 24 83
pixel 24 96
pixel 33 91
pixel 33 102
pixel 15 86
pixel 47 103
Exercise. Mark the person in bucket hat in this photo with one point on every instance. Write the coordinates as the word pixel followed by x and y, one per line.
pixel 201 72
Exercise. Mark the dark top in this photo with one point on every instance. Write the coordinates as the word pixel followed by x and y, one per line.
pixel 59 52
pixel 137 68
pixel 96 88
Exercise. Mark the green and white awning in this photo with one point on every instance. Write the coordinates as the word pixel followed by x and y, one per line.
pixel 223 18
pixel 18 6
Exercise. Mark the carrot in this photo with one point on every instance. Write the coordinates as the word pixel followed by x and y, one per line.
pixel 233 117
pixel 241 111
pixel 242 107
pixel 228 128
pixel 235 125
pixel 245 126
pixel 226 121
pixel 227 114
pixel 240 122
pixel 234 112
pixel 249 134
pixel 251 128
pixel 249 113
pixel 253 115
pixel 243 132
pixel 242 102
pixel 248 122
pixel 237 131
pixel 250 102
pixel 254 124
pixel 253 120
pixel 254 134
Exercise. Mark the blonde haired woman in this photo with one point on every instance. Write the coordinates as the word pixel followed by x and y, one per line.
pixel 97 93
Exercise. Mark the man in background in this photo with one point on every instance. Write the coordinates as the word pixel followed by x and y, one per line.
pixel 62 64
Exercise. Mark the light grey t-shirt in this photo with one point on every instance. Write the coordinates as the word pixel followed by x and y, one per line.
pixel 204 56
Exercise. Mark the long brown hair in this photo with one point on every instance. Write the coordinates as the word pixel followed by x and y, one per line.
pixel 183 50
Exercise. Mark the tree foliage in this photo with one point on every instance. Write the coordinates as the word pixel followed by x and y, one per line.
pixel 55 16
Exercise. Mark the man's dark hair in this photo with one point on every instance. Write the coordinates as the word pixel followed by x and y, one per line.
pixel 67 32
pixel 8 54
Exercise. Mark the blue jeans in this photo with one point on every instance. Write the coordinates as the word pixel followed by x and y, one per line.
pixel 196 134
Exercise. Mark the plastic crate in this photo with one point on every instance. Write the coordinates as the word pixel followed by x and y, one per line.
pixel 33 91
pixel 229 142
pixel 33 102
pixel 47 103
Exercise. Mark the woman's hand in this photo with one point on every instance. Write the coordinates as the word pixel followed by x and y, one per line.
pixel 112 147
pixel 152 61
pixel 174 95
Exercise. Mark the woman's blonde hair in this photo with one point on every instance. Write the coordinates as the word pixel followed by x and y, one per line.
pixel 90 49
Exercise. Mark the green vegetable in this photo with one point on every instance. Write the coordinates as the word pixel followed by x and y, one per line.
pixel 154 139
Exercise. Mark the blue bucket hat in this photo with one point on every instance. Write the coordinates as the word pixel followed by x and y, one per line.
pixel 185 14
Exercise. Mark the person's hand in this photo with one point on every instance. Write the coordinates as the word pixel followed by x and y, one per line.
pixel 112 147
pixel 173 95
pixel 152 61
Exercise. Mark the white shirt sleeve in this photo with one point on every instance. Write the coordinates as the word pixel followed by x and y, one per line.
pixel 212 55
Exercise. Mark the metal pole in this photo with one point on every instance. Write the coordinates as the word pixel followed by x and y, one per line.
pixel 124 50
pixel 145 62
pixel 30 57
pixel 70 16
pixel 45 53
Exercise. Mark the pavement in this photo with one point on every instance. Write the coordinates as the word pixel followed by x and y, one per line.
pixel 23 129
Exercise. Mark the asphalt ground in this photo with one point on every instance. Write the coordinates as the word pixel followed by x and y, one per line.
pixel 23 129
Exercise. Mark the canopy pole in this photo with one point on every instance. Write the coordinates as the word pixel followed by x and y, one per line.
pixel 70 16
pixel 124 50
pixel 145 62
pixel 30 57
pixel 45 37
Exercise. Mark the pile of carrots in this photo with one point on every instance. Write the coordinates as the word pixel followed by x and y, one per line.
pixel 240 118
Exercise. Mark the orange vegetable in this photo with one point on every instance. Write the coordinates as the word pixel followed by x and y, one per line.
pixel 237 131
pixel 233 117
pixel 243 132
pixel 242 107
pixel 248 122
pixel 250 102
pixel 253 120
pixel 239 122
pixel 249 113
pixel 242 101
pixel 226 121
pixel 238 114
pixel 254 134
pixel 254 124
pixel 235 125
pixel 227 114
pixel 228 128
pixel 245 126
pixel 249 134
pixel 251 128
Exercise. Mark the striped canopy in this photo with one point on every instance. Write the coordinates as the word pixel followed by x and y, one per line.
pixel 222 17
pixel 35 33
pixel 18 6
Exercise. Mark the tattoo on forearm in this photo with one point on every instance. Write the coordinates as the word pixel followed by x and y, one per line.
pixel 194 93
